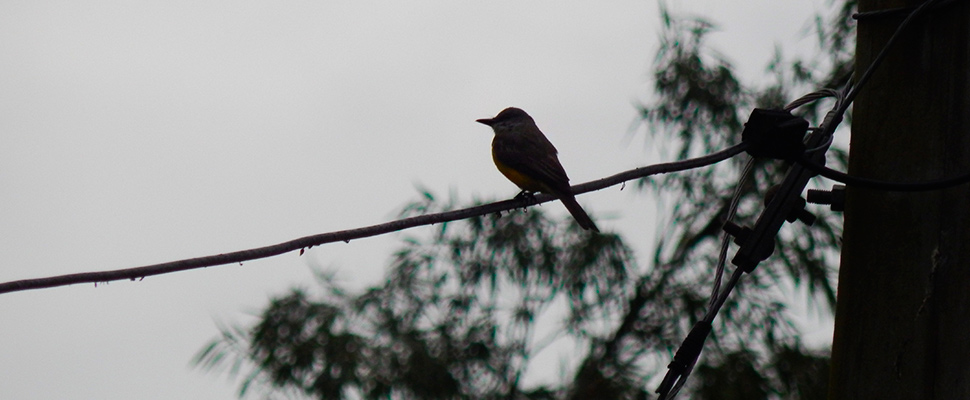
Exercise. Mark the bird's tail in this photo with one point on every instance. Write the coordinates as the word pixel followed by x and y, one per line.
pixel 578 213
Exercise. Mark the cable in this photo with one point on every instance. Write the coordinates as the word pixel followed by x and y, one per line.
pixel 891 11
pixel 686 357
pixel 822 147
pixel 882 55
pixel 814 96
pixel 663 168
pixel 690 350
pixel 299 244
pixel 890 186
pixel 726 238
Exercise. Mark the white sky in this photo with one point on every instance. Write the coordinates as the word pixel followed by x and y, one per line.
pixel 135 132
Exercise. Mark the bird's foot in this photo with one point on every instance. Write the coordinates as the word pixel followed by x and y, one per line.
pixel 524 195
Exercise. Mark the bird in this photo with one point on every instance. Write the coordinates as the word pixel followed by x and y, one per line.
pixel 527 158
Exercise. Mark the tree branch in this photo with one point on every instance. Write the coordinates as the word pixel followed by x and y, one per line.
pixel 350 234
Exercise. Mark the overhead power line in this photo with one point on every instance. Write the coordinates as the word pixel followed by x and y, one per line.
pixel 300 244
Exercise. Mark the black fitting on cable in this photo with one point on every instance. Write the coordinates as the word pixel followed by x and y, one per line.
pixel 685 357
pixel 834 197
pixel 774 134
pixel 798 211
pixel 740 233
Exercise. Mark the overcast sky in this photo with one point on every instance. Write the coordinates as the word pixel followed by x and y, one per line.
pixel 134 133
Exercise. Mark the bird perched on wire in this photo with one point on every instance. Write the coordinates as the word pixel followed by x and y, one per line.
pixel 524 155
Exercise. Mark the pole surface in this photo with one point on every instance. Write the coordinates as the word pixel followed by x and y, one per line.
pixel 902 326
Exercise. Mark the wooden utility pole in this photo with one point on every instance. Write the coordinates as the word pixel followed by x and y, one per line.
pixel 902 326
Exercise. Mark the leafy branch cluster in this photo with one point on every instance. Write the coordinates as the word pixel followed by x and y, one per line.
pixel 456 316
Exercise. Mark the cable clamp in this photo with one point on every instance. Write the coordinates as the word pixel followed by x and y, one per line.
pixel 774 134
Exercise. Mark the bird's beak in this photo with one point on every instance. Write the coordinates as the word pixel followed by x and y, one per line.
pixel 486 121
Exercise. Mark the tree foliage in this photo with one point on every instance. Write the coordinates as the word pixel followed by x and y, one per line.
pixel 455 318
pixel 463 313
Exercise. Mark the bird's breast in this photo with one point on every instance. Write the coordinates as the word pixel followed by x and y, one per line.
pixel 519 179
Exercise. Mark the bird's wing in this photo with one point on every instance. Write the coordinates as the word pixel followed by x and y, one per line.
pixel 533 156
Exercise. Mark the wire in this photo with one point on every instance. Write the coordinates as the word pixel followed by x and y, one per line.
pixel 680 368
pixel 823 146
pixel 882 55
pixel 735 277
pixel 705 326
pixel 852 90
pixel 814 96
pixel 683 363
pixel 718 297
pixel 891 186
pixel 663 168
pixel 891 11
pixel 726 238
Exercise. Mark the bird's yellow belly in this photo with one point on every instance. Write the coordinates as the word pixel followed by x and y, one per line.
pixel 521 180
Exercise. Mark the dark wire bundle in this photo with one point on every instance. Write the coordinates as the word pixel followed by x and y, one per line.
pixel 809 161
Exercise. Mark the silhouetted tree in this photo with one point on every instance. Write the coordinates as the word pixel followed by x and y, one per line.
pixel 461 314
